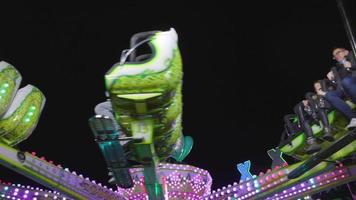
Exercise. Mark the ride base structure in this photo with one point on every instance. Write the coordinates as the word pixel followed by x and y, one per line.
pixel 143 144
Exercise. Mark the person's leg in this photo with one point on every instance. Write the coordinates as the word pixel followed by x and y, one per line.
pixel 105 109
pixel 290 127
pixel 323 117
pixel 307 129
pixel 326 126
pixel 303 122
pixel 335 99
pixel 312 146
pixel 349 84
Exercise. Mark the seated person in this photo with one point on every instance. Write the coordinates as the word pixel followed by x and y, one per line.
pixel 345 67
pixel 319 107
pixel 291 128
pixel 312 110
pixel 306 116
pixel 325 85
pixel 105 109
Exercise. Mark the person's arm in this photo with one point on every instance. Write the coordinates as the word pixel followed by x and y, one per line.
pixel 330 76
pixel 328 85
pixel 299 110
pixel 312 100
pixel 351 62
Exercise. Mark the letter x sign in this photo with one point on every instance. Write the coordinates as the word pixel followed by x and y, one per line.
pixel 244 169
pixel 276 156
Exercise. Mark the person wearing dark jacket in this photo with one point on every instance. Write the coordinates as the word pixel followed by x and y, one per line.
pixel 346 68
pixel 322 106
pixel 306 117
pixel 312 110
pixel 345 62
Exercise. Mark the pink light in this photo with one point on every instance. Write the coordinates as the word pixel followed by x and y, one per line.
pixel 268 178
pixel 274 176
pixel 190 183
pixel 281 173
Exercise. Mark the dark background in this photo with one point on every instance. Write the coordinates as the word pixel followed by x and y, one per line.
pixel 245 66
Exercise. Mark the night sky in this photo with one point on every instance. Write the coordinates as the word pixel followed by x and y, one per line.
pixel 245 67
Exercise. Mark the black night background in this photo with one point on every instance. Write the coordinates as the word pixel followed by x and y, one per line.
pixel 245 66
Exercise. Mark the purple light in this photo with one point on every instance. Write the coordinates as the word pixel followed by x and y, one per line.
pixel 305 187
pixel 178 182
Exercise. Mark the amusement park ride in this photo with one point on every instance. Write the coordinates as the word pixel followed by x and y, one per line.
pixel 143 144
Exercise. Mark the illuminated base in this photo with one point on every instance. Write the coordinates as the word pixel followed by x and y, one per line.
pixel 183 182
pixel 19 192
pixel 178 182
pixel 324 180
pixel 272 185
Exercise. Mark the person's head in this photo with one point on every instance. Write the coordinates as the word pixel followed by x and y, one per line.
pixel 339 54
pixel 317 86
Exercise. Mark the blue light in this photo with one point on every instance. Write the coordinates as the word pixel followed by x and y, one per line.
pixel 256 184
pixel 312 181
pixel 244 169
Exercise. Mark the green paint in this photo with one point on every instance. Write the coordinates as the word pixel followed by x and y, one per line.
pixel 9 82
pixel 19 125
pixel 33 174
pixel 148 105
pixel 296 148
pixel 156 95
pixel 139 96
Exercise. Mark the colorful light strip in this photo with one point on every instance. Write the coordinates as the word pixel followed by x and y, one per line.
pixel 178 181
pixel 249 188
pixel 304 188
pixel 20 192
pixel 191 183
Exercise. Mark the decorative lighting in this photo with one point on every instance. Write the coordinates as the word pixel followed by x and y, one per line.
pixel 179 181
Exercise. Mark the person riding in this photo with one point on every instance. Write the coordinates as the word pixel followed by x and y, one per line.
pixel 306 117
pixel 321 107
pixel 346 69
pixel 105 109
pixel 312 110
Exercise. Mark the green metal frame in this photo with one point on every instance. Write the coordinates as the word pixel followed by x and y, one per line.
pixel 295 146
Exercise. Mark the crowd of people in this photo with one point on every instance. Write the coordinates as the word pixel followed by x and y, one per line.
pixel 329 93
